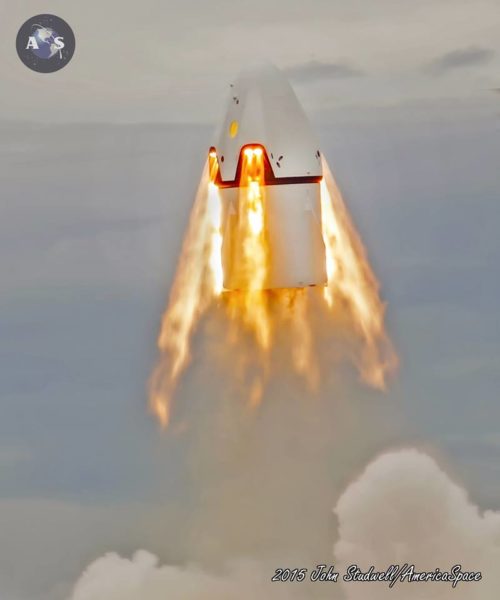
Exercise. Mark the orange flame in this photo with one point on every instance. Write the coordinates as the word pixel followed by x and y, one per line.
pixel 250 250
pixel 350 278
pixel 197 280
pixel 351 289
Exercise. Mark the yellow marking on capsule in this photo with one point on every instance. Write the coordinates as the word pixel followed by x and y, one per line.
pixel 233 129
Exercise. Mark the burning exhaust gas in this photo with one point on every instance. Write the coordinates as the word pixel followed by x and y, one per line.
pixel 269 232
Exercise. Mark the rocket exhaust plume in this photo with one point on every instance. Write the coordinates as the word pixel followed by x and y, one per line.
pixel 271 244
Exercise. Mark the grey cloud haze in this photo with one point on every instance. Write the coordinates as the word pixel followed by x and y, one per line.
pixel 315 70
pixel 185 54
pixel 461 58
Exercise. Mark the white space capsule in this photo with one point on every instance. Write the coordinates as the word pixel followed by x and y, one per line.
pixel 264 114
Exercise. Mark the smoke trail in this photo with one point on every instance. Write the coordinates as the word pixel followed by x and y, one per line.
pixel 403 508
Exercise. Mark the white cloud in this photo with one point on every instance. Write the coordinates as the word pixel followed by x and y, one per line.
pixel 405 509
pixel 113 577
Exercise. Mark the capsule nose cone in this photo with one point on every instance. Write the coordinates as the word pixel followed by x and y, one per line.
pixel 264 110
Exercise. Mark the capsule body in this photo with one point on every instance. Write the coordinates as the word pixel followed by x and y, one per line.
pixel 268 170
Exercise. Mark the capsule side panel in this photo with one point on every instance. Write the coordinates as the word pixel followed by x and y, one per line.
pixel 296 252
pixel 296 245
